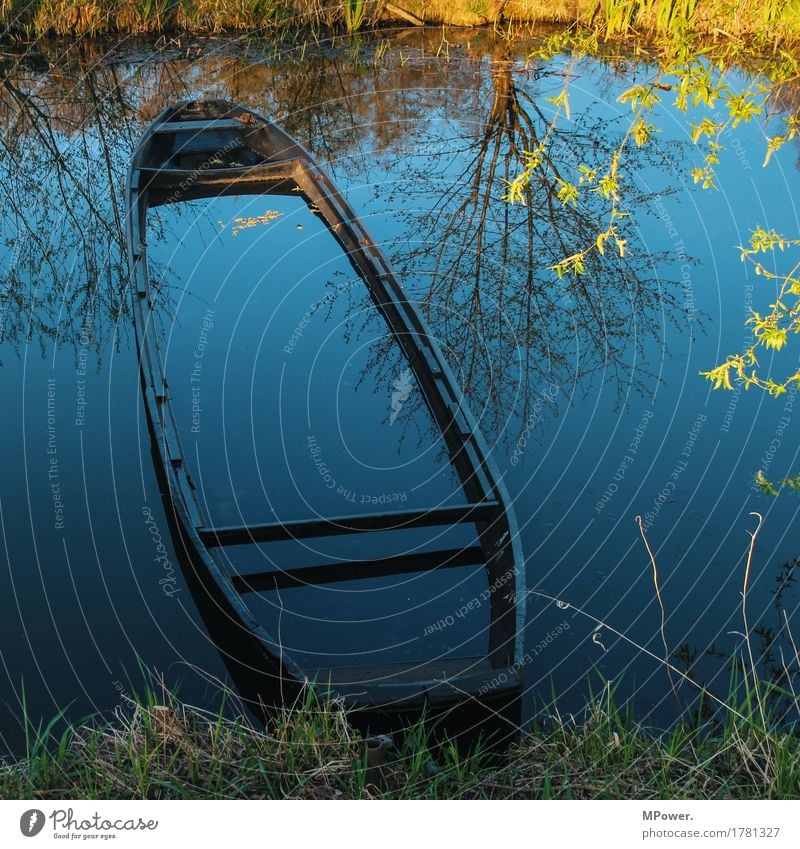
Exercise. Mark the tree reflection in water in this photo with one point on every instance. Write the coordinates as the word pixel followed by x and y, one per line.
pixel 513 326
pixel 480 267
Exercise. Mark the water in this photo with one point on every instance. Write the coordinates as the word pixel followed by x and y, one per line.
pixel 283 376
pixel 588 394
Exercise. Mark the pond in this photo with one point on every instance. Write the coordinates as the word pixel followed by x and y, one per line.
pixel 586 389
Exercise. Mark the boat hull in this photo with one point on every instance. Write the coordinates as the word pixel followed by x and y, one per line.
pixel 214 148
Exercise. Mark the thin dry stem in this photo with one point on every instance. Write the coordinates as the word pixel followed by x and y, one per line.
pixel 753 672
pixel 663 612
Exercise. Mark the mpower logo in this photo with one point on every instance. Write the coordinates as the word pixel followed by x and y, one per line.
pixel 65 823
pixel 31 822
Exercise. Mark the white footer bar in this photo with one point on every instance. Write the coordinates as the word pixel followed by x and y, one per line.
pixel 405 825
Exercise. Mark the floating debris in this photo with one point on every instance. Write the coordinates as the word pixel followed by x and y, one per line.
pixel 247 223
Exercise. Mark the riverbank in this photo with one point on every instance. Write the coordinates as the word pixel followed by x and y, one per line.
pixel 773 22
pixel 164 749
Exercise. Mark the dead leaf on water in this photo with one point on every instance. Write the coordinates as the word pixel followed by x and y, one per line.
pixel 247 223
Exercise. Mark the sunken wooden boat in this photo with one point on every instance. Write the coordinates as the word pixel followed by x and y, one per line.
pixel 208 149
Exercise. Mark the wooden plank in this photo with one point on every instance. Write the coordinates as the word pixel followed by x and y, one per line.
pixel 410 672
pixel 331 573
pixel 365 523
pixel 411 685
pixel 263 178
pixel 203 126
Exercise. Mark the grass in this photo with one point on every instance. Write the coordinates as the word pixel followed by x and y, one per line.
pixel 157 748
pixel 776 21
pixel 32 18
pixel 354 12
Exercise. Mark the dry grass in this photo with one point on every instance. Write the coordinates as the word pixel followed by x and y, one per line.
pixel 157 748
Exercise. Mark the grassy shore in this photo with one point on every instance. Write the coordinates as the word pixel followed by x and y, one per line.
pixel 775 21
pixel 160 748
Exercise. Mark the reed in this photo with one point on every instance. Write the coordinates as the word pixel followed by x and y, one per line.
pixel 155 747
pixel 64 17
pixel 353 11
pixel 145 16
pixel 761 20
pixel 757 19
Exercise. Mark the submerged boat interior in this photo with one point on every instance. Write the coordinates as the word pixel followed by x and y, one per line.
pixel 321 464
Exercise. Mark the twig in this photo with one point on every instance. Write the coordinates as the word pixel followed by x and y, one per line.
pixel 753 535
pixel 663 614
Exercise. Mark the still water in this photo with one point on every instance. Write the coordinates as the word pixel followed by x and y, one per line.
pixel 587 393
